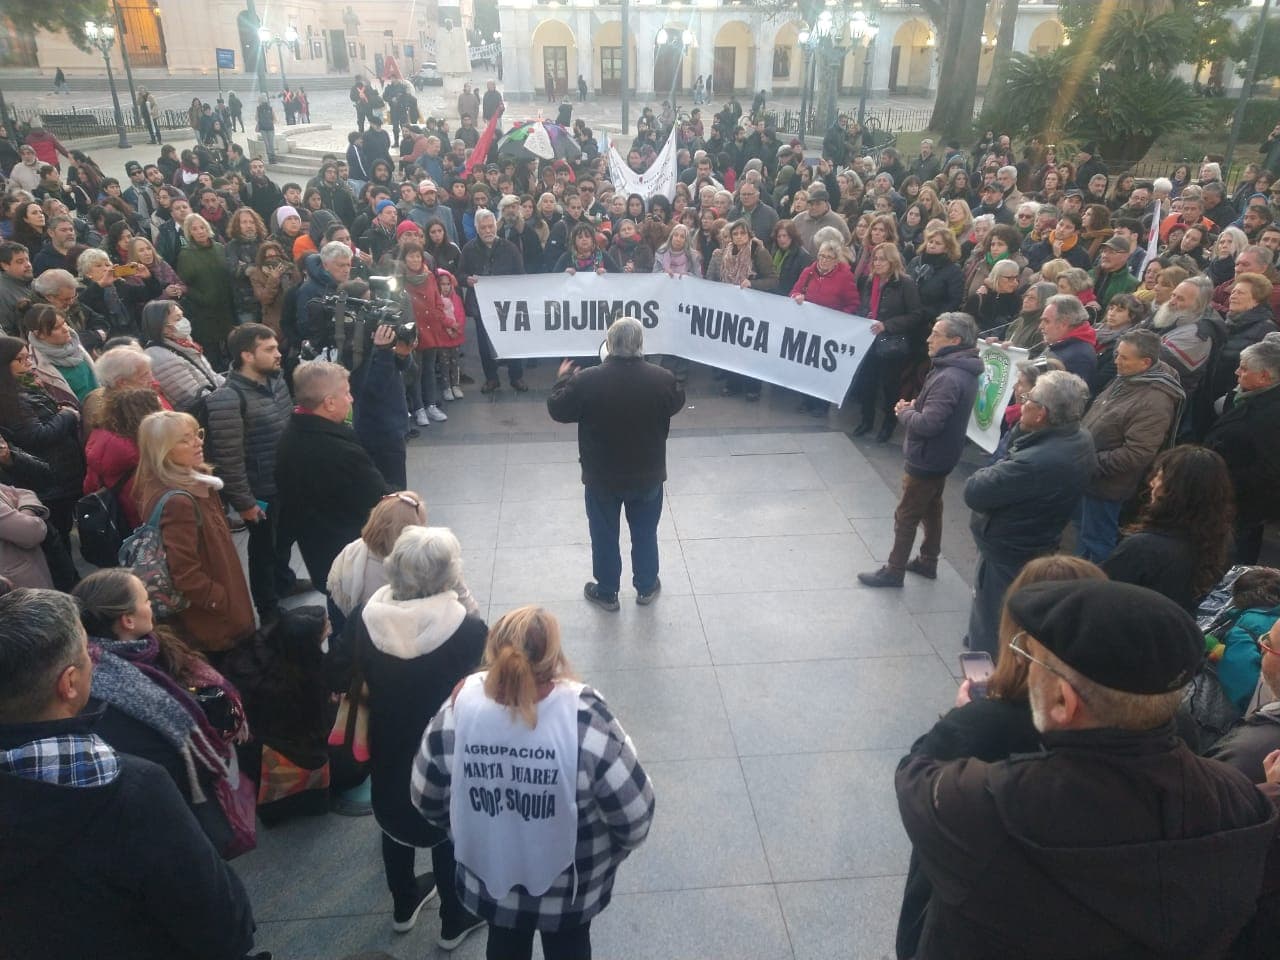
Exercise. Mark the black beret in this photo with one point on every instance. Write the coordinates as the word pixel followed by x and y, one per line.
pixel 1124 637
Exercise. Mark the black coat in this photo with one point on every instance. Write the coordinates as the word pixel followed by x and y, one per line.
pixel 326 485
pixel 50 434
pixel 790 269
pixel 987 730
pixel 1102 846
pixel 1162 561
pixel 1021 504
pixel 899 309
pixel 145 882
pixel 1248 438
pixel 623 409
pixel 939 282
pixel 503 258
pixel 1243 330
pixel 404 694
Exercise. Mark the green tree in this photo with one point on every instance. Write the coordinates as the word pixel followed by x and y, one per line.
pixel 1240 48
pixel 65 16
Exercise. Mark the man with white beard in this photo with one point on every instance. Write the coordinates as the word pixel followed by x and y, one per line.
pixel 1104 843
pixel 1186 341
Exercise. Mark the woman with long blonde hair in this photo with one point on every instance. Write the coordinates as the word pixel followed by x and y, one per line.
pixel 574 799
pixel 176 491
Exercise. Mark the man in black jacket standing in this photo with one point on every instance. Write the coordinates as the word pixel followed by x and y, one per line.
pixel 325 481
pixel 1022 502
pixel 81 824
pixel 623 409
pixel 488 255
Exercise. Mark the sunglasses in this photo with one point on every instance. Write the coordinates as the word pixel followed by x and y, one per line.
pixel 406 498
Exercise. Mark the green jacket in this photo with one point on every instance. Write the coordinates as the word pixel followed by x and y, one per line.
pixel 208 303
pixel 1108 285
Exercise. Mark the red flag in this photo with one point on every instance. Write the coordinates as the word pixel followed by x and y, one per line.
pixel 481 150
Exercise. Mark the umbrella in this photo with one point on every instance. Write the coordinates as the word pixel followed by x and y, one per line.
pixel 539 139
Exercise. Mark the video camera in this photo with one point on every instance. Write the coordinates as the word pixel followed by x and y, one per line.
pixel 341 327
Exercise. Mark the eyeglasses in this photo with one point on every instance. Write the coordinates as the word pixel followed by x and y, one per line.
pixel 1264 644
pixel 194 439
pixel 1021 651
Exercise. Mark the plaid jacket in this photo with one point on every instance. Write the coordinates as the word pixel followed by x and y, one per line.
pixel 615 808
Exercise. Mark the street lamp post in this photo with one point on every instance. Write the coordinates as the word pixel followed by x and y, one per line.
pixel 686 39
pixel 864 30
pixel 288 40
pixel 124 58
pixel 102 36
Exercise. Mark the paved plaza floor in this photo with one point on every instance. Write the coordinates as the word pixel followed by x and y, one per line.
pixel 769 696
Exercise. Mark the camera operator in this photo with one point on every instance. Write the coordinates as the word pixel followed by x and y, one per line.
pixel 381 415
pixel 323 271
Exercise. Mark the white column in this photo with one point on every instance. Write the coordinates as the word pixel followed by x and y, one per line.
pixel 586 53
pixel 517 57
pixel 644 29
pixel 764 33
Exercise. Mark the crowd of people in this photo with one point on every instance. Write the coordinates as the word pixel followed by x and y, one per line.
pixel 201 350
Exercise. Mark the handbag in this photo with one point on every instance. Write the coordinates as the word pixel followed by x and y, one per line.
pixel 891 346
pixel 101 524
pixel 281 777
pixel 144 553
pixel 237 796
pixel 1207 705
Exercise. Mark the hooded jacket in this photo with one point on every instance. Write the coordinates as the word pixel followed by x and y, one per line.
pixel 317 282
pixel 412 653
pixel 938 417
pixel 1131 421
pixel 1111 845
pixel 1021 504
pixel 1077 351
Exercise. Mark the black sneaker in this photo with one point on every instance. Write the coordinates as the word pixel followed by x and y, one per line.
pixel 452 934
pixel 605 601
pixel 405 914
pixel 644 599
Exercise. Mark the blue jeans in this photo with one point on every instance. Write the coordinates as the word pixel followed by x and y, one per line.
pixel 1097 528
pixel 643 507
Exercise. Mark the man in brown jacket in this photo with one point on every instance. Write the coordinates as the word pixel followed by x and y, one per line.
pixel 1131 421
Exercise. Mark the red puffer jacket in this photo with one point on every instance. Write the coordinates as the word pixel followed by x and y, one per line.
pixel 455 319
pixel 108 458
pixel 422 294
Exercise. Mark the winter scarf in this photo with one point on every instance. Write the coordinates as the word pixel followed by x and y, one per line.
pixel 1107 335
pixel 67 355
pixel 126 676
pixel 736 265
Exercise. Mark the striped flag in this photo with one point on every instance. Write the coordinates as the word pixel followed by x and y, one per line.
pixel 1153 241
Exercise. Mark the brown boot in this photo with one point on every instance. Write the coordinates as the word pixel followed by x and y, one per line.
pixel 884 577
pixel 924 567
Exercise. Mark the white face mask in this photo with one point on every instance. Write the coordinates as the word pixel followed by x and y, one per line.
pixel 182 329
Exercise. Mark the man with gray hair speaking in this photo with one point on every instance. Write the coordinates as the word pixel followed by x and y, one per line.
pixel 623 409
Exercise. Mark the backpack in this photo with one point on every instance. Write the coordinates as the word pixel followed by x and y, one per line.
pixel 144 553
pixel 102 525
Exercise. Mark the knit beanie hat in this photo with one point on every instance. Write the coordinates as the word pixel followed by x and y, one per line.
pixel 382 205
pixel 284 213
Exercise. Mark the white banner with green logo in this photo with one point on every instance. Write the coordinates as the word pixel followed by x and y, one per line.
pixel 995 392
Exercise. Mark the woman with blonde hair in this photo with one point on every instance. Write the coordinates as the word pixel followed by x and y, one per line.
pixel 202 265
pixel 959 219
pixel 891 300
pixel 176 491
pixel 545 860
pixel 990 727
pixel 359 570
pixel 143 251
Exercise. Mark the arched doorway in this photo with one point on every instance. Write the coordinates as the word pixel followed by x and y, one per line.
pixel 732 62
pixel 554 48
pixel 1046 38
pixel 608 59
pixel 910 58
pixel 788 59
pixel 669 59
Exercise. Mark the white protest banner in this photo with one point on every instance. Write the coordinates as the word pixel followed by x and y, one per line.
pixel 660 178
pixel 995 390
pixel 1153 240
pixel 804 347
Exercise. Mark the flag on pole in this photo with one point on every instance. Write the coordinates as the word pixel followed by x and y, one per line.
pixel 660 178
pixel 481 151
pixel 1153 241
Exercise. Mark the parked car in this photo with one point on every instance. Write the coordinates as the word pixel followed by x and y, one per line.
pixel 428 75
